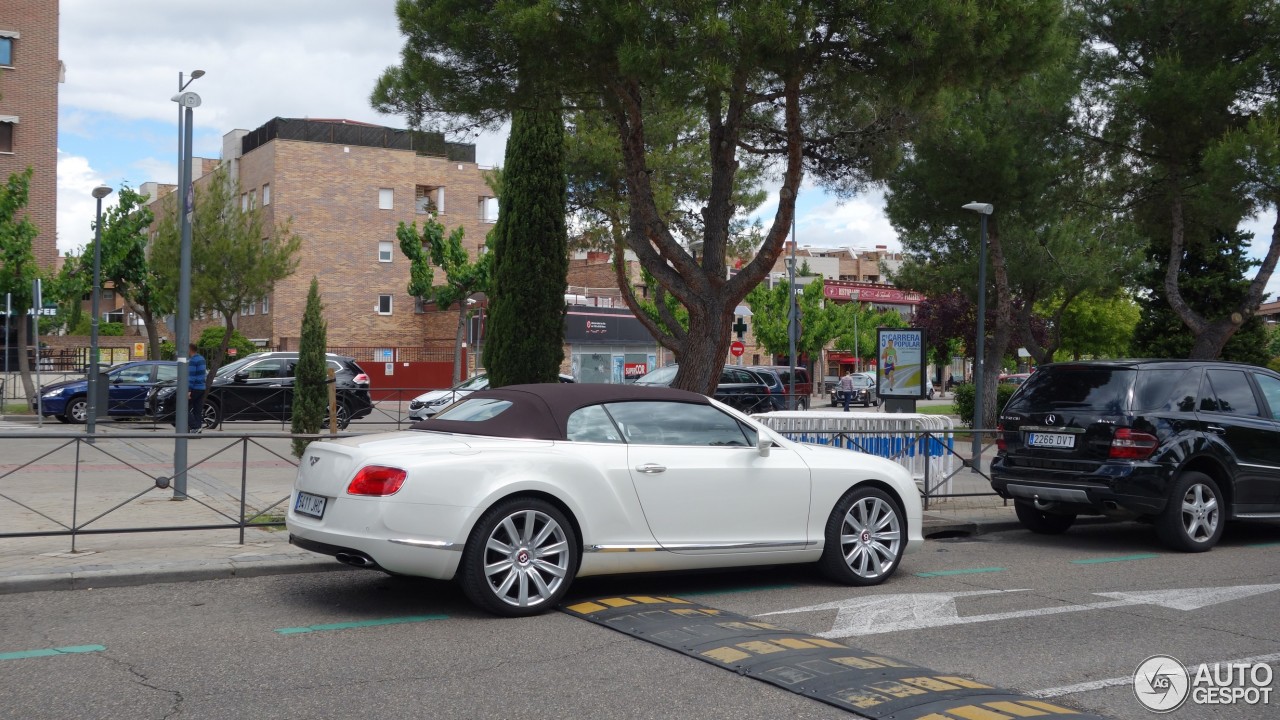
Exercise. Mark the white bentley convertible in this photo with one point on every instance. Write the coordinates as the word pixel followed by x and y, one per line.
pixel 518 490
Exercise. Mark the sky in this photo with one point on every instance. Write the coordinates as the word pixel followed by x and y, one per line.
pixel 283 58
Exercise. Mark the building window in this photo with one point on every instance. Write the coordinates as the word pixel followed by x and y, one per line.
pixel 384 304
pixel 266 305
pixel 244 202
pixel 386 198
pixel 428 199
pixel 384 251
pixel 488 209
pixel 253 306
pixel 266 194
pixel 6 135
pixel 6 50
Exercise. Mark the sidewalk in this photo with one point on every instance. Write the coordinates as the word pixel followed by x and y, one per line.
pixel 113 560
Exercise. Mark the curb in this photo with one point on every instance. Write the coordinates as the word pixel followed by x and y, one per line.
pixel 176 573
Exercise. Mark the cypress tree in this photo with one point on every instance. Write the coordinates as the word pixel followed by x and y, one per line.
pixel 525 334
pixel 310 389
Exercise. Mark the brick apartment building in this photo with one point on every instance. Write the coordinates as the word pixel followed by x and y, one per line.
pixel 29 75
pixel 345 187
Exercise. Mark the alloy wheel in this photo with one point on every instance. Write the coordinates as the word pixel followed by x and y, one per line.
pixel 1200 512
pixel 526 558
pixel 871 537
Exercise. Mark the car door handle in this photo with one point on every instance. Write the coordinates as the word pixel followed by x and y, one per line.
pixel 1216 429
pixel 651 468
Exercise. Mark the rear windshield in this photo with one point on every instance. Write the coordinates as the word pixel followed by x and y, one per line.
pixel 1098 389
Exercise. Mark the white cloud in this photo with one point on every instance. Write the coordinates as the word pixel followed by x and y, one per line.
pixel 76 181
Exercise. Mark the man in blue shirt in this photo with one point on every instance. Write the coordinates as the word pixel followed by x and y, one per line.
pixel 197 369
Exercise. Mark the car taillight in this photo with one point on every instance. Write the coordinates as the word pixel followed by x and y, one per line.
pixel 361 379
pixel 377 480
pixel 1129 444
pixel 1001 445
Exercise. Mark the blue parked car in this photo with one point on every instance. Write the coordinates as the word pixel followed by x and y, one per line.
pixel 130 383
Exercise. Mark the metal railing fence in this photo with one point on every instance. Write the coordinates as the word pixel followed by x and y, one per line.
pixel 70 484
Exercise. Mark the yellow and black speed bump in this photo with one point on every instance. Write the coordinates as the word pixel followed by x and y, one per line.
pixel 848 678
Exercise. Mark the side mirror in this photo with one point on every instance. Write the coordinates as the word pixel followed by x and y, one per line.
pixel 241 376
pixel 763 444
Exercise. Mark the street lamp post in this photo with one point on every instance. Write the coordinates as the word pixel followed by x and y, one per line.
pixel 182 332
pixel 983 210
pixel 91 422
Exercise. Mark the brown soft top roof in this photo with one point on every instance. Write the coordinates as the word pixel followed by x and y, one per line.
pixel 540 412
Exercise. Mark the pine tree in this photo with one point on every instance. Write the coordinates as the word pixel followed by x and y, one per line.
pixel 525 333
pixel 310 383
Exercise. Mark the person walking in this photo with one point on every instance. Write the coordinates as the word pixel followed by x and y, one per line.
pixel 197 369
pixel 846 388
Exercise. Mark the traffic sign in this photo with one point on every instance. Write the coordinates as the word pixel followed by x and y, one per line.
pixel 737 348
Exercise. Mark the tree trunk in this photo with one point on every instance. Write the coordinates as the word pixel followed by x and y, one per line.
pixel 24 364
pixel 703 360
pixel 999 344
pixel 457 341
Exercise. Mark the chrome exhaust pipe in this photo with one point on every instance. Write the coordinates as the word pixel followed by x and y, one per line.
pixel 355 560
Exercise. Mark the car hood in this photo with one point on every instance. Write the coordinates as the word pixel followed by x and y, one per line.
pixel 434 395
pixel 83 384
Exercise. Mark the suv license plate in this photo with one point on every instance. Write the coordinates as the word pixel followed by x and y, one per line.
pixel 308 504
pixel 1051 440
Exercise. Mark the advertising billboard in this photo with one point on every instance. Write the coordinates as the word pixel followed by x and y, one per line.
pixel 900 366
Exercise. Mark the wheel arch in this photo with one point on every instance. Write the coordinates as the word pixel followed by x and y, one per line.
pixel 534 494
pixel 1217 472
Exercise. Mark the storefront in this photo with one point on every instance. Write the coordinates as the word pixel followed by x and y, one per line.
pixel 609 345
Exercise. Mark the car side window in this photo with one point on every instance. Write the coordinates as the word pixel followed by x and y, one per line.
pixel 266 369
pixel 1271 391
pixel 675 423
pixel 591 424
pixel 139 374
pixel 166 372
pixel 1228 391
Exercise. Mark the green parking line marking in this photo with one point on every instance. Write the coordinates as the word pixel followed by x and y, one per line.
pixel 967 571
pixel 754 588
pixel 1264 545
pixel 360 624
pixel 46 652
pixel 1122 558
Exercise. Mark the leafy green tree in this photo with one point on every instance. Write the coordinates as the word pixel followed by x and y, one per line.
pixel 462 276
pixel 525 335
pixel 771 308
pixel 18 267
pixel 1189 119
pixel 1211 276
pixel 211 339
pixel 854 327
pixel 310 376
pixel 826 85
pixel 1008 143
pixel 125 263
pixel 236 258
pixel 68 288
pixel 1100 327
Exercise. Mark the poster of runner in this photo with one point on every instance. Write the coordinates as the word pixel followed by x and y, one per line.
pixel 900 367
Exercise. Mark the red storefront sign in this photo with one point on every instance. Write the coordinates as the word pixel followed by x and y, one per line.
pixel 869 293
pixel 631 371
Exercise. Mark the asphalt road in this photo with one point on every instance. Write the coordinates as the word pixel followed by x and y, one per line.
pixel 1066 618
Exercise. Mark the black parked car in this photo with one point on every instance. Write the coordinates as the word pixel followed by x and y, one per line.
pixel 260 387
pixel 1184 444
pixel 739 388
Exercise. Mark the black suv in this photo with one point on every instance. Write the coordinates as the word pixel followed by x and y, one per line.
pixel 260 387
pixel 1184 444
pixel 738 388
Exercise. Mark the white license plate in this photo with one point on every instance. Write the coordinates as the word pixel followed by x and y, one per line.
pixel 1051 440
pixel 308 504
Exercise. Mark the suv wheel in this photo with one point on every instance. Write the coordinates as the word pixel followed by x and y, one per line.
pixel 802 403
pixel 1041 522
pixel 1192 519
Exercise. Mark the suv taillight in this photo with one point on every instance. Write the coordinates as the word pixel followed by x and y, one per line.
pixel 361 379
pixel 1129 444
pixel 376 480
pixel 1001 445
